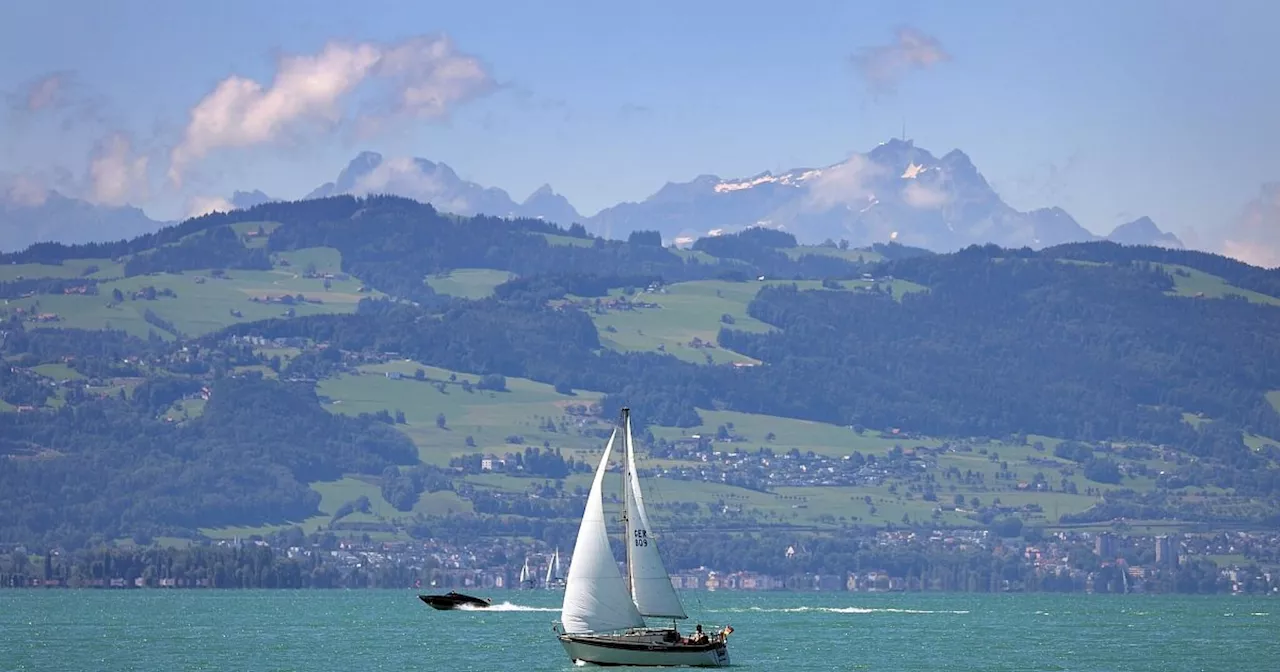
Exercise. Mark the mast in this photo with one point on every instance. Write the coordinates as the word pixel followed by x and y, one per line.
pixel 650 583
pixel 626 488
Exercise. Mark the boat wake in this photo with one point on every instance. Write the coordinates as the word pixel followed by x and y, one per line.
pixel 839 610
pixel 506 606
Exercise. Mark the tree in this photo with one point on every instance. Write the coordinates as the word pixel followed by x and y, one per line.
pixel 1007 527
pixel 1103 470
pixel 493 381
pixel 419 374
pixel 650 238
pixel 117 295
pixel 440 421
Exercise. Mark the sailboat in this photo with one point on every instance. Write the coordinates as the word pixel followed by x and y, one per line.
pixel 602 619
pixel 554 578
pixel 526 577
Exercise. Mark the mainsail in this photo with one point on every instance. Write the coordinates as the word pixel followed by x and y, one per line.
pixel 524 573
pixel 651 587
pixel 595 596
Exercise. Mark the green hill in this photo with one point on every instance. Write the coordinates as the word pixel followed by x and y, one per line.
pixel 370 366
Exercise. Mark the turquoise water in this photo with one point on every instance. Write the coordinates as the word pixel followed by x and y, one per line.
pixel 357 631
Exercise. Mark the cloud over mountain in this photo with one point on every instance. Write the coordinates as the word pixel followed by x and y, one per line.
pixel 436 183
pixel 1254 237
pixel 422 77
pixel 116 175
pixel 897 191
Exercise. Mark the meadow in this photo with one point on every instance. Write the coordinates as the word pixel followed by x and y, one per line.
pixel 468 283
pixel 1190 282
pixel 698 310
pixel 203 303
pixel 491 419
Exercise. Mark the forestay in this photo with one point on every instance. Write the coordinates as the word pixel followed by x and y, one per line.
pixel 595 595
pixel 650 583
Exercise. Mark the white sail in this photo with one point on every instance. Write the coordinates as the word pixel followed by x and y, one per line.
pixel 524 572
pixel 595 596
pixel 651 587
pixel 553 569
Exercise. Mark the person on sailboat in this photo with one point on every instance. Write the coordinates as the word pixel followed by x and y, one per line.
pixel 699 637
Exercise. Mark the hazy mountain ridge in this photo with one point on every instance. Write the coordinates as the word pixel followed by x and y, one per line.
pixel 897 191
pixel 58 218
pixel 438 184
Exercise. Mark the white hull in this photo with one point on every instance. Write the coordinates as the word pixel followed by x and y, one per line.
pixel 643 650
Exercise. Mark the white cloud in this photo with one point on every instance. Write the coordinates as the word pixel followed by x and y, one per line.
pixel 924 197
pixel 885 65
pixel 405 177
pixel 426 76
pixel 845 184
pixel 116 175
pixel 430 76
pixel 202 205
pixel 1254 238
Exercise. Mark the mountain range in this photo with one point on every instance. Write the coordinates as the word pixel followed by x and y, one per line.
pixel 897 191
pixel 52 216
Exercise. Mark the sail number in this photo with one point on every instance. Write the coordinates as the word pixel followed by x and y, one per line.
pixel 642 538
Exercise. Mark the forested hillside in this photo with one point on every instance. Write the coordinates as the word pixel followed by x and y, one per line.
pixel 235 370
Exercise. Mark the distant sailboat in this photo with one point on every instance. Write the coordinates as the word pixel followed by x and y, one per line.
pixel 602 620
pixel 526 576
pixel 554 578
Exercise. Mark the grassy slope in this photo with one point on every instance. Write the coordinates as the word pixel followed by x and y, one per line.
pixel 202 307
pixel 691 310
pixel 489 417
pixel 855 255
pixel 334 494
pixel 1211 286
pixel 74 268
pixel 58 372
pixel 469 283
pixel 568 240
pixel 486 416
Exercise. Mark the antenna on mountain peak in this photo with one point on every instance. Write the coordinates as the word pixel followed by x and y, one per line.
pixel 904 129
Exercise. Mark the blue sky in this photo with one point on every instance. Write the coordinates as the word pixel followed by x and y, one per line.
pixel 1111 110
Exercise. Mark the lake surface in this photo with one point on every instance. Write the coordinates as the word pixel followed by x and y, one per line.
pixel 359 630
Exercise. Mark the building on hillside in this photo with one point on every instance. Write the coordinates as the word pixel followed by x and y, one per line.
pixel 1105 546
pixel 1166 551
